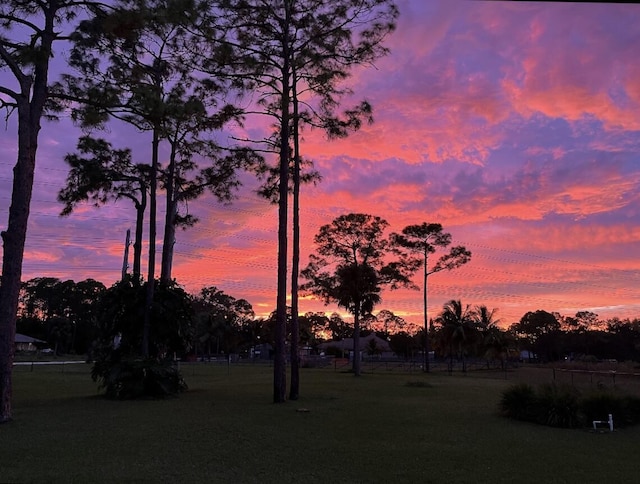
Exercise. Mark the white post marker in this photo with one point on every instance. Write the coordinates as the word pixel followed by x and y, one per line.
pixel 610 422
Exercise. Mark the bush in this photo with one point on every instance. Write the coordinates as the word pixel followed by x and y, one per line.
pixel 563 406
pixel 632 408
pixel 130 379
pixel 519 402
pixel 558 406
pixel 598 406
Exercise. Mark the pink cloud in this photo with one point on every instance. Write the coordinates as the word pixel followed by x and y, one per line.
pixel 512 123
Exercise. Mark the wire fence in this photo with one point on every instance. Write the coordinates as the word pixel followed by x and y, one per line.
pixel 621 378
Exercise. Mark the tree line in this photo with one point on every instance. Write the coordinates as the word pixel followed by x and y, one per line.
pixel 84 318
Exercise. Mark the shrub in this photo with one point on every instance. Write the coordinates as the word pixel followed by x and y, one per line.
pixel 519 402
pixel 130 379
pixel 558 406
pixel 599 405
pixel 632 408
pixel 563 406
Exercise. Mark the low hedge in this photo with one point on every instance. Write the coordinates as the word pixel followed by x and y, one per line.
pixel 565 406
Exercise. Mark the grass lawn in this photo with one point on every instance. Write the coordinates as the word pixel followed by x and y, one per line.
pixel 377 428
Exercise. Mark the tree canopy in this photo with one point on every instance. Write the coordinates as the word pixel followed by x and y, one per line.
pixel 351 266
pixel 415 244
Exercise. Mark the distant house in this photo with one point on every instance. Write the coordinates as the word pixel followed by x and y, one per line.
pixel 263 351
pixel 371 346
pixel 27 343
pixel 526 355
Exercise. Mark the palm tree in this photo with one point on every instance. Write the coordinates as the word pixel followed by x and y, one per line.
pixel 358 291
pixel 459 330
pixel 494 341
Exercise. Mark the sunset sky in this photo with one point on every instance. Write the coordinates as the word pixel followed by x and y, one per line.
pixel 516 125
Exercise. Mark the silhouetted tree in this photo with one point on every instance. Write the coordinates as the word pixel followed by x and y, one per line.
pixel 221 318
pixel 386 323
pixel 416 243
pixel 28 31
pixel 351 267
pixel 533 325
pixel 50 307
pixel 404 344
pixel 121 322
pixel 458 329
pixel 338 328
pixel 495 342
pixel 302 47
pixel 98 173
pixel 136 64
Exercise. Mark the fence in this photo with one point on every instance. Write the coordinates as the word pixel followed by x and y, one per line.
pixel 601 379
pixel 61 365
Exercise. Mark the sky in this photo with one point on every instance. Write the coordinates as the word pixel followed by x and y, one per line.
pixel 516 125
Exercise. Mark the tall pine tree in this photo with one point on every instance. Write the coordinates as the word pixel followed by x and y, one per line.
pixel 288 48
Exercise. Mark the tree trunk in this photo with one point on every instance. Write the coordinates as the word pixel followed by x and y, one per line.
pixel 170 221
pixel 426 347
pixel 137 244
pixel 146 329
pixel 280 363
pixel 294 392
pixel 169 242
pixel 13 238
pixel 356 340
pixel 125 262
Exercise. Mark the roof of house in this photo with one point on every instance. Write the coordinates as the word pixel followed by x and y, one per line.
pixel 347 343
pixel 23 338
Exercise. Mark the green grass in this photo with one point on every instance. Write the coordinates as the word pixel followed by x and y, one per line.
pixel 382 427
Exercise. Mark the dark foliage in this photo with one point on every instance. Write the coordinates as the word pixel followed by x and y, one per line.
pixel 130 379
pixel 558 406
pixel 118 363
pixel 519 402
pixel 564 406
pixel 625 409
pixel 122 314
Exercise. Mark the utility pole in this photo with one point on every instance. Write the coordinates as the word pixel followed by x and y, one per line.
pixel 125 262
